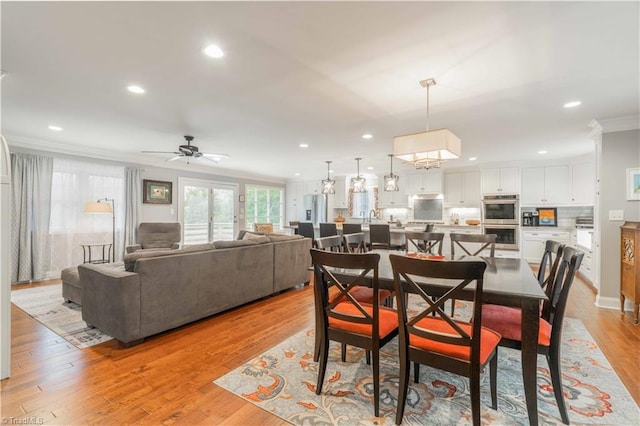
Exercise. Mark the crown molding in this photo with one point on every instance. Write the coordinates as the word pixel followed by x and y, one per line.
pixel 620 124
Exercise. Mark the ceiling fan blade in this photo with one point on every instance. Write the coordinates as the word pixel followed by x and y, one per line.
pixel 175 158
pixel 207 159
pixel 219 156
pixel 160 152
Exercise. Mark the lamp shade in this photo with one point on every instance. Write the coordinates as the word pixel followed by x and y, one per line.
pixel 97 208
pixel 429 146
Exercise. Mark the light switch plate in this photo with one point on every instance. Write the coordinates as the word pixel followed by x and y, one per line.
pixel 616 214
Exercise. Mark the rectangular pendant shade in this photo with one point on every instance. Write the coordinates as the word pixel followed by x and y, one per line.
pixel 98 208
pixel 429 146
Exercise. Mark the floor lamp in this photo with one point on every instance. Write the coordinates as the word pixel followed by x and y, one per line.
pixel 102 207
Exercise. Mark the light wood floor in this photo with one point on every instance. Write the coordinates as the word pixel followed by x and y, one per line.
pixel 168 378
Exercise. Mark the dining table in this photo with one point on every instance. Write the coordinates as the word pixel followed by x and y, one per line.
pixel 508 282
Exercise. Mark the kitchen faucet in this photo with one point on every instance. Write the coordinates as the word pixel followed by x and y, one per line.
pixel 374 215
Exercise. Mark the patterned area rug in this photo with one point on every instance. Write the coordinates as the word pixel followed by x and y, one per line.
pixel 282 381
pixel 46 305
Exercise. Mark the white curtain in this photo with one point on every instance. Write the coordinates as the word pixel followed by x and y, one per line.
pixel 74 184
pixel 133 197
pixel 30 207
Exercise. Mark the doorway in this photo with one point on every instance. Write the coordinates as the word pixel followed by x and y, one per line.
pixel 208 211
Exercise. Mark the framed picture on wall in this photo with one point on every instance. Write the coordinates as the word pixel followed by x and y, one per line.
pixel 633 184
pixel 547 216
pixel 156 192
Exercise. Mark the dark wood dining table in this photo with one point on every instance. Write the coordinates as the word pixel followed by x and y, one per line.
pixel 508 282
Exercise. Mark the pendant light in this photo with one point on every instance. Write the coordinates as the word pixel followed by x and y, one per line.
pixel 358 182
pixel 391 180
pixel 427 149
pixel 328 184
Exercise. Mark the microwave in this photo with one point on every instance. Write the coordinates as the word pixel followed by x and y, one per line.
pixel 501 209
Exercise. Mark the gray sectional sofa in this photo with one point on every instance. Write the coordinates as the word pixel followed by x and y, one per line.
pixel 159 290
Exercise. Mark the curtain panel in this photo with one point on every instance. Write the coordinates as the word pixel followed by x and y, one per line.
pixel 30 209
pixel 133 200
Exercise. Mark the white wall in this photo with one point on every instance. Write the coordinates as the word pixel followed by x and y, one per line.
pixel 620 150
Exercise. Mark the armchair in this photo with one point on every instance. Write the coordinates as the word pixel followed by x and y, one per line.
pixel 156 236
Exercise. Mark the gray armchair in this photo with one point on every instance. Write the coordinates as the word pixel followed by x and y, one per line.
pixel 156 236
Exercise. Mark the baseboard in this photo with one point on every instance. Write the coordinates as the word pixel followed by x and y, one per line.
pixel 613 303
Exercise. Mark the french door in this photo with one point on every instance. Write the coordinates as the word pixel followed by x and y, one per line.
pixel 208 211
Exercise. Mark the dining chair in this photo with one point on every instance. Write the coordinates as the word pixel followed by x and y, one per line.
pixel 425 242
pixel 306 230
pixel 331 243
pixel 380 237
pixel 508 322
pixel 346 320
pixel 429 227
pixel 463 348
pixel 264 228
pixel 471 245
pixel 351 228
pixel 355 243
pixel 328 229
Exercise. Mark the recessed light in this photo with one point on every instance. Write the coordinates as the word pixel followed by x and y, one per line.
pixel 297 174
pixel 55 128
pixel 367 136
pixel 572 104
pixel 473 158
pixel 331 171
pixel 369 168
pixel 135 89
pixel 213 51
pixel 542 152
pixel 304 145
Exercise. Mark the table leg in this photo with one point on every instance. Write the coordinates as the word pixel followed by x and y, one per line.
pixel 529 353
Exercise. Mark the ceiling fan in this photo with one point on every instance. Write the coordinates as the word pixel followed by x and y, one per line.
pixel 189 151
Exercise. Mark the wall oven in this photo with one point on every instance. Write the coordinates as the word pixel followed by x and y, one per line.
pixel 506 236
pixel 500 210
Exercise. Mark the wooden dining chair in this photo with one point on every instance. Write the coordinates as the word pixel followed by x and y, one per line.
pixel 332 243
pixel 463 348
pixel 351 228
pixel 355 243
pixel 328 229
pixel 508 321
pixel 380 237
pixel 306 230
pixel 471 245
pixel 425 242
pixel 346 320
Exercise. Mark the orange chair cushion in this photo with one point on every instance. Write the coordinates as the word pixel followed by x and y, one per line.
pixel 364 294
pixel 507 321
pixel 488 341
pixel 387 320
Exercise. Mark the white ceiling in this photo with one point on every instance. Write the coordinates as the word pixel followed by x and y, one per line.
pixel 321 73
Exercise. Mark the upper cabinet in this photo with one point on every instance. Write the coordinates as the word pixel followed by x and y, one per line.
pixel 340 197
pixel 462 189
pixel 428 182
pixel 545 185
pixel 583 184
pixel 500 180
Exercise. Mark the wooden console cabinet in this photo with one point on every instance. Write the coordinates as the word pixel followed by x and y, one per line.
pixel 629 266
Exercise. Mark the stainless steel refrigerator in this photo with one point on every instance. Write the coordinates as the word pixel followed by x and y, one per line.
pixel 5 253
pixel 315 209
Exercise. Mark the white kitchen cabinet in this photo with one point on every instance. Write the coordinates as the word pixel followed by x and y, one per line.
pixel 500 180
pixel 533 243
pixel 428 182
pixel 339 199
pixel 583 184
pixel 545 186
pixel 392 199
pixel 462 189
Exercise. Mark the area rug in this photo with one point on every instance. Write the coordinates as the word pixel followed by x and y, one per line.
pixel 46 305
pixel 283 380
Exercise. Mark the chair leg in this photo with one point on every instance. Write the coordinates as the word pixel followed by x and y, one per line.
pixel 453 306
pixel 404 384
pixel 553 359
pixel 376 381
pixel 367 356
pixel 474 389
pixel 317 344
pixel 493 376
pixel 416 372
pixel 322 368
pixel 343 355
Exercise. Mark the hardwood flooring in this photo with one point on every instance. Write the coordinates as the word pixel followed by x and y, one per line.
pixel 168 378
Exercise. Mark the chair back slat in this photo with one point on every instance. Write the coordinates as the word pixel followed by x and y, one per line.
pixel 559 291
pixel 351 228
pixel 547 273
pixel 355 243
pixel 425 242
pixel 463 242
pixel 328 229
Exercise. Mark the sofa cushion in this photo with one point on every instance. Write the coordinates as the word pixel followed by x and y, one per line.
pixel 131 258
pixel 252 235
pixel 222 244
pixel 282 237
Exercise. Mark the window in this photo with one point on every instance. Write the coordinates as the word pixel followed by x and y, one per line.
pixel 264 205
